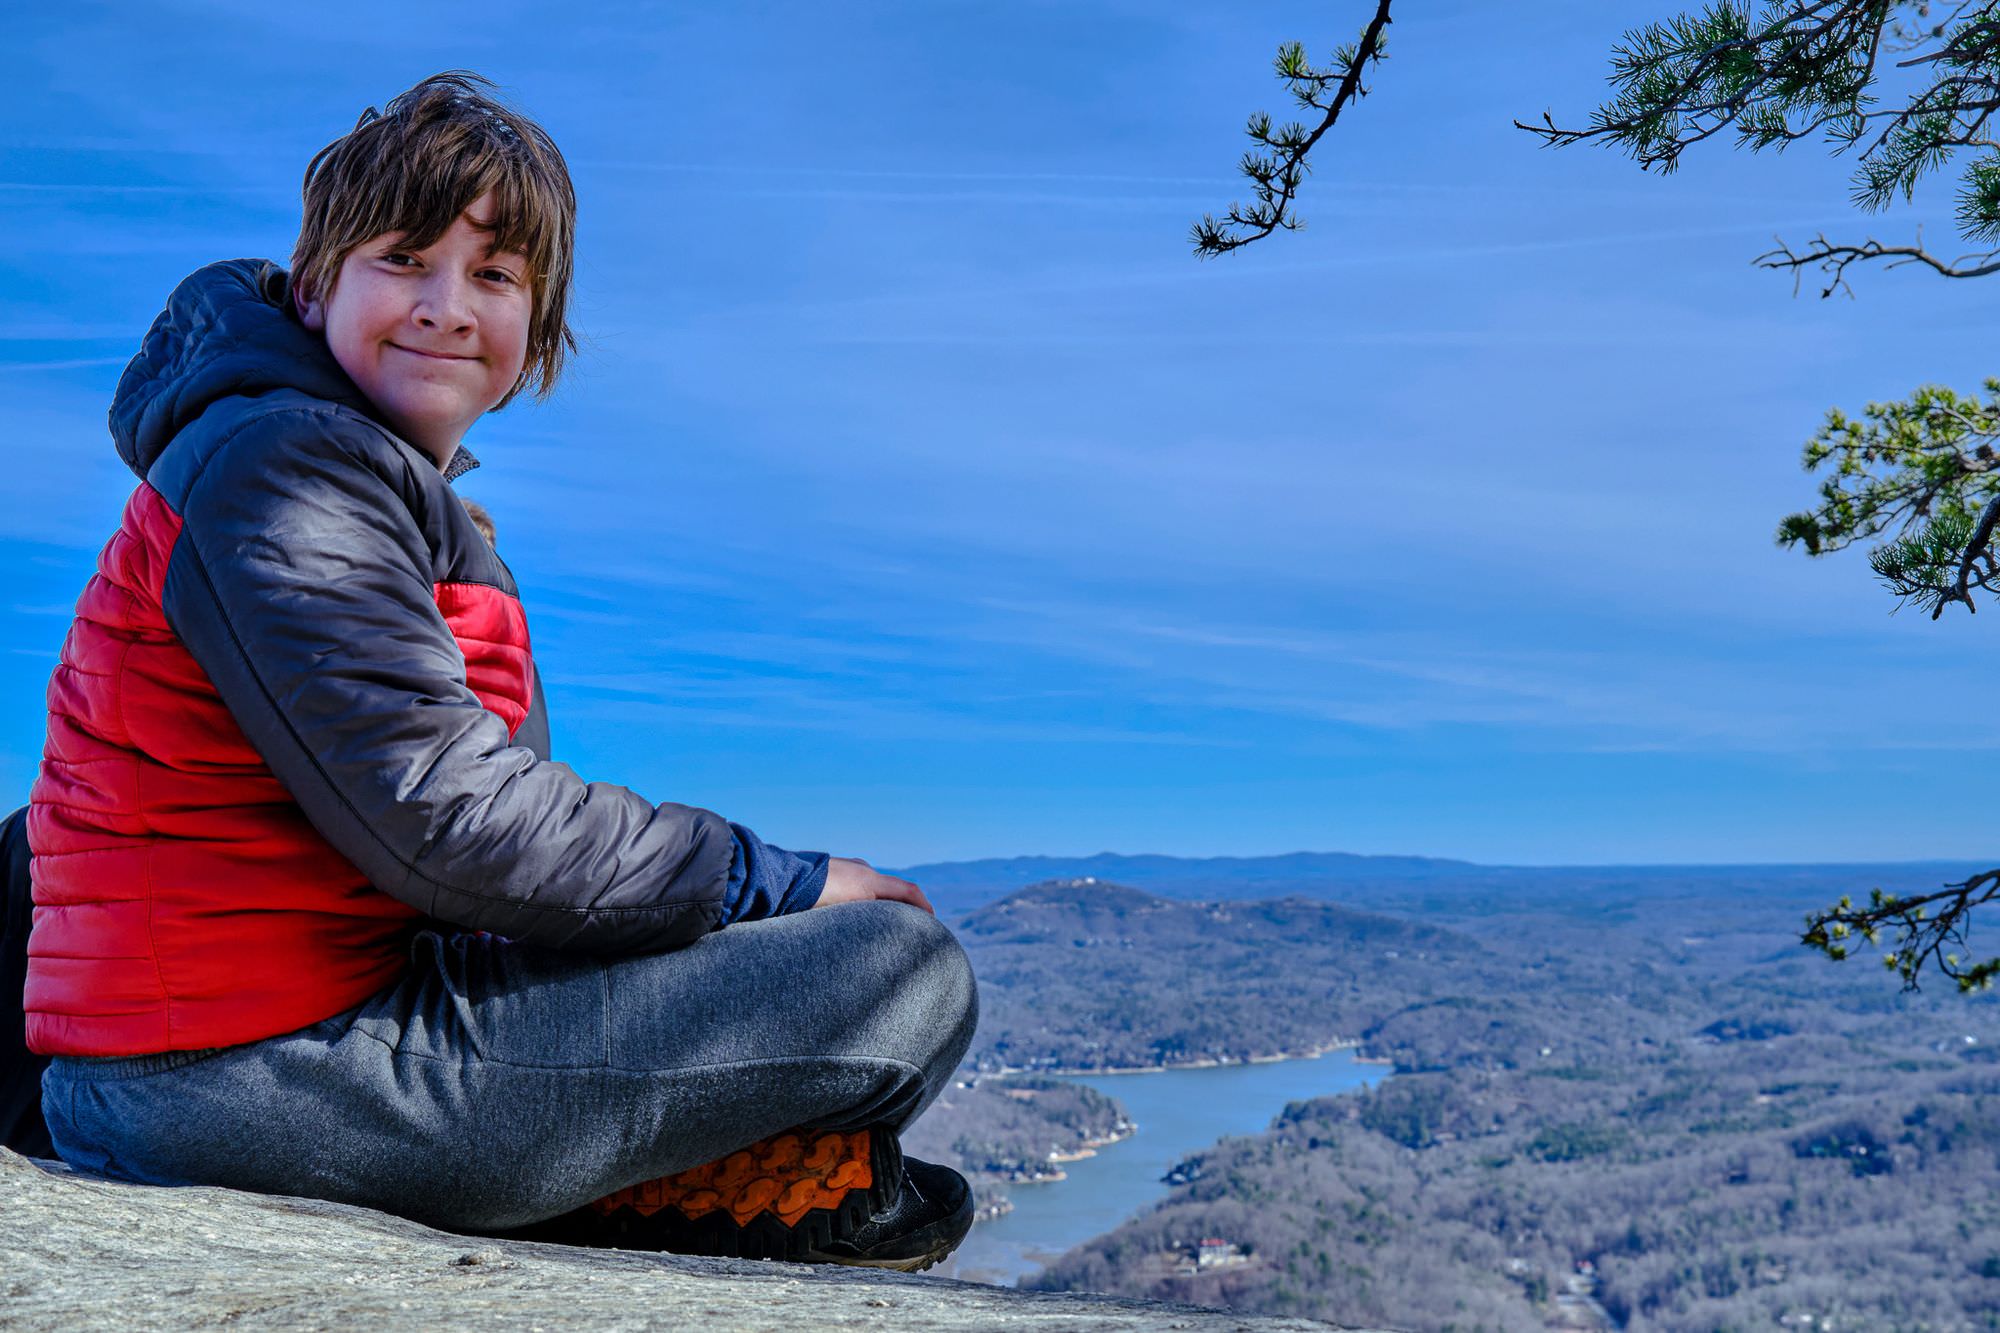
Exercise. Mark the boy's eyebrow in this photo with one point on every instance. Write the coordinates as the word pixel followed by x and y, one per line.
pixel 494 228
pixel 398 240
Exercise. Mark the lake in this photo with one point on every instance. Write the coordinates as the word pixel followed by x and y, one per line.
pixel 1179 1112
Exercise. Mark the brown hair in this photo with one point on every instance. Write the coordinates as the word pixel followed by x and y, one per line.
pixel 414 167
pixel 481 520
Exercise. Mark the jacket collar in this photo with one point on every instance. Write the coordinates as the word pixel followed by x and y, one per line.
pixel 461 462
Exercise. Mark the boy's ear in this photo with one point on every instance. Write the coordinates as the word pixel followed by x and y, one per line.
pixel 312 313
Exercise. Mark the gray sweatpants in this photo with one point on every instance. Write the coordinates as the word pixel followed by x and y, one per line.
pixel 499 1084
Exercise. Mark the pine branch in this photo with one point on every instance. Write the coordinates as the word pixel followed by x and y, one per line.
pixel 1686 80
pixel 1978 549
pixel 1921 471
pixel 1277 171
pixel 1939 564
pixel 1776 73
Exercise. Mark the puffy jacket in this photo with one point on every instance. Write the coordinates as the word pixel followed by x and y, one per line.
pixel 297 717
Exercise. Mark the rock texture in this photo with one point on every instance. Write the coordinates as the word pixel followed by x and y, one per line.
pixel 79 1253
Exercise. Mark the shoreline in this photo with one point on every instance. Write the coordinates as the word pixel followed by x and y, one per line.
pixel 1309 1053
pixel 1089 1146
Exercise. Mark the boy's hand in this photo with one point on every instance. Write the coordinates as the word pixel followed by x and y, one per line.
pixel 849 879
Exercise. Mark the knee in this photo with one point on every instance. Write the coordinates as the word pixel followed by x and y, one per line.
pixel 929 963
pixel 951 972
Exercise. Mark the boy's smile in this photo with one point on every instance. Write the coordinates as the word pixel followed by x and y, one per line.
pixel 433 338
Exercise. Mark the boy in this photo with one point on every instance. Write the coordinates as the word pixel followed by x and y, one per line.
pixel 314 912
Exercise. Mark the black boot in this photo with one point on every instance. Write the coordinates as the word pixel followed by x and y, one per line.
pixel 930 1217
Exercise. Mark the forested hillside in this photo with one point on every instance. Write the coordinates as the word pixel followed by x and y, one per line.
pixel 1081 974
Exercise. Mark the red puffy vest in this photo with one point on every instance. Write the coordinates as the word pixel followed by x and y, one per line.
pixel 182 900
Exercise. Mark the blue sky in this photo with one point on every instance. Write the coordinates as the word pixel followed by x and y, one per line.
pixel 917 495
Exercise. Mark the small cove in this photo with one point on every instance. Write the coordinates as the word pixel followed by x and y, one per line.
pixel 1178 1112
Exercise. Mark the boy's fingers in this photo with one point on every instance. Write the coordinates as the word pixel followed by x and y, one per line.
pixel 875 884
pixel 907 892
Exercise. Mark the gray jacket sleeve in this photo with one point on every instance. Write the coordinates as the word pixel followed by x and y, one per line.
pixel 302 587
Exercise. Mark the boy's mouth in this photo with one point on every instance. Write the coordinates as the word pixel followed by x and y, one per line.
pixel 434 356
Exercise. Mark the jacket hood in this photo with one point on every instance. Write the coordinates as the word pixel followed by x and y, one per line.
pixel 228 329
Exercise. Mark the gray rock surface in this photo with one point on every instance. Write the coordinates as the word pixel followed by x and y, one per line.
pixel 79 1253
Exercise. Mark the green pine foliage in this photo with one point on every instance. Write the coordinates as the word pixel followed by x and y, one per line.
pixel 1919 472
pixel 1923 566
pixel 1908 87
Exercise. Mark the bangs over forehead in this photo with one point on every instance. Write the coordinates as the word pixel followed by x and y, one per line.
pixel 413 168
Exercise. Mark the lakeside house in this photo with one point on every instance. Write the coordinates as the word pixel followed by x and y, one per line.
pixel 1213 1252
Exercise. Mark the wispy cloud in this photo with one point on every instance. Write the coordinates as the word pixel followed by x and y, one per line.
pixel 1333 191
pixel 86 187
pixel 672 699
pixel 72 363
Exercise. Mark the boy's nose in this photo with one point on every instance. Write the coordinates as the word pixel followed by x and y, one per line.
pixel 442 304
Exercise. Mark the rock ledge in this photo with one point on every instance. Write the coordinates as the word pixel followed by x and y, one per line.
pixel 86 1253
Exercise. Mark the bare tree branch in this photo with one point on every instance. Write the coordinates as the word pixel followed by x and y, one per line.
pixel 1832 259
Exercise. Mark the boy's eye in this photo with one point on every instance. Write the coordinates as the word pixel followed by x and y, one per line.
pixel 404 259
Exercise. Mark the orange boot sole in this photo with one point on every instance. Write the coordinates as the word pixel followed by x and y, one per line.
pixel 780 1198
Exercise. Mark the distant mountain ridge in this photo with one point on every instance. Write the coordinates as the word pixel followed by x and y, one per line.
pixel 1122 867
pixel 959 886
pixel 966 884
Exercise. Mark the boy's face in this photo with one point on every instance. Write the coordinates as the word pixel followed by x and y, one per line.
pixel 433 337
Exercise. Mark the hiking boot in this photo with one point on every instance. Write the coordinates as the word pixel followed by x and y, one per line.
pixel 776 1199
pixel 928 1220
pixel 803 1197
